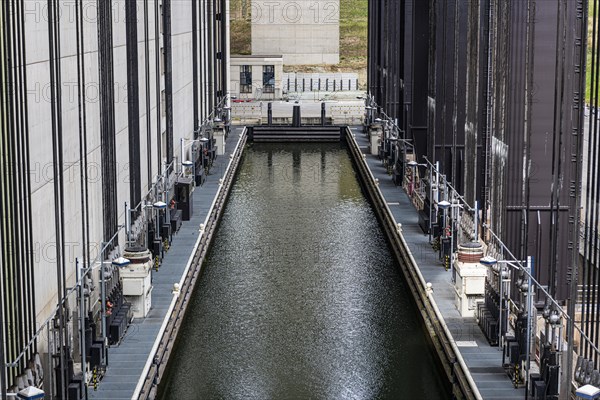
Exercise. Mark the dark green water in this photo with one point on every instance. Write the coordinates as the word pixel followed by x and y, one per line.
pixel 300 296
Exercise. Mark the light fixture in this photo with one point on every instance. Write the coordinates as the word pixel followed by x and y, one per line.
pixel 203 139
pixel 444 204
pixel 588 392
pixel 31 393
pixel 121 262
pixel 160 205
pixel 187 164
pixel 488 261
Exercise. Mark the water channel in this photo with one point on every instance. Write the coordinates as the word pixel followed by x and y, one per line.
pixel 300 296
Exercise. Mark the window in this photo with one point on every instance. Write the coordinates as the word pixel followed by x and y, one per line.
pixel 245 79
pixel 268 79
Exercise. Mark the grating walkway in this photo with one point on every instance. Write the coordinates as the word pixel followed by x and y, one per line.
pixel 126 361
pixel 484 361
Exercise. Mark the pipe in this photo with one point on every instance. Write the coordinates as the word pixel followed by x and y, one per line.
pixel 476 222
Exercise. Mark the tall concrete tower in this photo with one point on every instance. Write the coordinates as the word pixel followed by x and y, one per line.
pixel 303 31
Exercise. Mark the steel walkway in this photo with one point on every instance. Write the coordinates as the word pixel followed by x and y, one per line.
pixel 484 361
pixel 127 360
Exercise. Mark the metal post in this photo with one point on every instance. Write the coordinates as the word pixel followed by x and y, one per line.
pixel 529 322
pixel 49 361
pixel 476 223
pixel 103 297
pixel 80 279
pixel 501 292
pixel 452 211
pixel 144 207
pixel 430 203
pixel 128 223
pixel 270 113
pixel 156 236
pixel 181 141
pixel 166 191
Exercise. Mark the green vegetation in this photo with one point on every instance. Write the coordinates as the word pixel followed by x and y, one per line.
pixel 241 28
pixel 588 77
pixel 353 33
pixel 353 37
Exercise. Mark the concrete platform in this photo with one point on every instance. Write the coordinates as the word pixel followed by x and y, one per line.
pixel 127 360
pixel 484 361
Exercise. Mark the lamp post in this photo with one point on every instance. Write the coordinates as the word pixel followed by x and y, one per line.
pixel 503 277
pixel 80 279
pixel 413 165
pixel 185 161
pixel 444 205
pixel 189 164
pixel 157 206
pixel 393 140
pixel 103 296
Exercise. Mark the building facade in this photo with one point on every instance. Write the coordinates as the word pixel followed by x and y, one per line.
pixel 493 91
pixel 97 99
pixel 256 77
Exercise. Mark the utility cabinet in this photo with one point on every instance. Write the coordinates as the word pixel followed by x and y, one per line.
pixel 219 136
pixel 375 134
pixel 183 196
pixel 137 281
pixel 470 278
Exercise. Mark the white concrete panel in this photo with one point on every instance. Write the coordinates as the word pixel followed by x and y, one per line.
pixel 40 124
pixel 36 28
pixel 296 29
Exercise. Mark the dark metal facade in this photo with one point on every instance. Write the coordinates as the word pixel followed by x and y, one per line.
pixel 495 97
pixel 589 275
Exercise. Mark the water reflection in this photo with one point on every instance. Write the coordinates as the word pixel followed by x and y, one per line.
pixel 300 297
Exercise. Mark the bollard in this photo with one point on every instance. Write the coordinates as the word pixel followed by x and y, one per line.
pixel 296 118
pixel 270 114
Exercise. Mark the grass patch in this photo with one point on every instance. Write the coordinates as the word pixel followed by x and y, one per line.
pixel 240 27
pixel 353 33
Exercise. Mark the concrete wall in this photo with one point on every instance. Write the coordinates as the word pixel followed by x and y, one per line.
pixel 78 92
pixel 257 64
pixel 303 31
